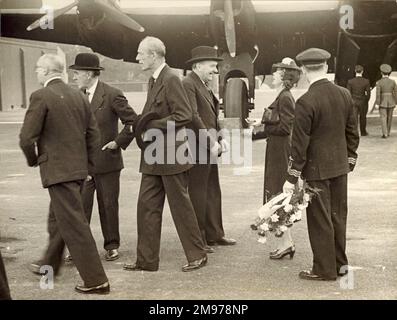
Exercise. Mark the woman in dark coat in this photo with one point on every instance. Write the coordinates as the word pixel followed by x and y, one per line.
pixel 278 130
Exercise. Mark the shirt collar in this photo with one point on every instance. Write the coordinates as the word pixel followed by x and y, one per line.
pixel 53 78
pixel 91 90
pixel 318 79
pixel 359 75
pixel 158 70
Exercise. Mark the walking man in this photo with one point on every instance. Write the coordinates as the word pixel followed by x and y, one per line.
pixel 165 175
pixel 60 124
pixel 360 90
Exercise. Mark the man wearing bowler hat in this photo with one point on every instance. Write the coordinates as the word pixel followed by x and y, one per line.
pixel 204 188
pixel 386 91
pixel 108 105
pixel 360 90
pixel 323 151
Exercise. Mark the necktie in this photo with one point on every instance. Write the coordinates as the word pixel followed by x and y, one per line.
pixel 151 83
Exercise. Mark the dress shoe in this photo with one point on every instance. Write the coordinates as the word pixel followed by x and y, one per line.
pixel 135 267
pixel 111 255
pixel 281 254
pixel 222 242
pixel 384 137
pixel 68 258
pixel 103 288
pixel 194 265
pixel 309 275
pixel 208 249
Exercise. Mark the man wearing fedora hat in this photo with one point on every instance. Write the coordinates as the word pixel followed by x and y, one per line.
pixel 386 92
pixel 204 188
pixel 166 99
pixel 323 152
pixel 108 105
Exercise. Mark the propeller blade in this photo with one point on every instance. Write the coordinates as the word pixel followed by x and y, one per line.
pixel 53 16
pixel 230 31
pixel 119 16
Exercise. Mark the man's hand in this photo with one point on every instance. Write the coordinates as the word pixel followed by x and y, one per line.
pixel 288 187
pixel 111 145
pixel 225 146
pixel 89 178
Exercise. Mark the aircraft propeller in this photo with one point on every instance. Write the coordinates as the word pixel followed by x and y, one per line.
pixel 230 32
pixel 111 9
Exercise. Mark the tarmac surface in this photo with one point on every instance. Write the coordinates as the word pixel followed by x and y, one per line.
pixel 243 271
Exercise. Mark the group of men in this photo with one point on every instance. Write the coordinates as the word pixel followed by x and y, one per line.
pixel 73 136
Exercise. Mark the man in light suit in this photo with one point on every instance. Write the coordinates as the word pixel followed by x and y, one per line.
pixel 60 124
pixel 108 105
pixel 323 152
pixel 360 90
pixel 166 175
pixel 4 289
pixel 204 188
pixel 386 91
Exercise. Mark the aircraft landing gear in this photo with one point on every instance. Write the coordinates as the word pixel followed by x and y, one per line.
pixel 235 98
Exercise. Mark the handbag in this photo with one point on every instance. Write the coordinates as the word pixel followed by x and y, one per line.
pixel 270 116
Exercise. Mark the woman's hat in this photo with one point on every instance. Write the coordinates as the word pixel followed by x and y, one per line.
pixel 86 61
pixel 286 63
pixel 204 53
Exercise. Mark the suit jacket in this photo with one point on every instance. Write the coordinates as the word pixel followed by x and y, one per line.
pixel 325 136
pixel 168 100
pixel 109 105
pixel 386 91
pixel 359 88
pixel 205 107
pixel 60 122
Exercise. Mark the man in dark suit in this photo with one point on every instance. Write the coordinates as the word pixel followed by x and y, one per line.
pixel 108 105
pixel 360 90
pixel 60 124
pixel 166 174
pixel 4 289
pixel 204 188
pixel 386 91
pixel 323 151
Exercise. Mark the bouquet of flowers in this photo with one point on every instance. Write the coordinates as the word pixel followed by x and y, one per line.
pixel 282 211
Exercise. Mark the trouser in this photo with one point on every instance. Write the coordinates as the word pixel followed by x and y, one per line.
pixel 151 199
pixel 4 289
pixel 67 224
pixel 386 117
pixel 107 187
pixel 326 220
pixel 361 110
pixel 205 193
